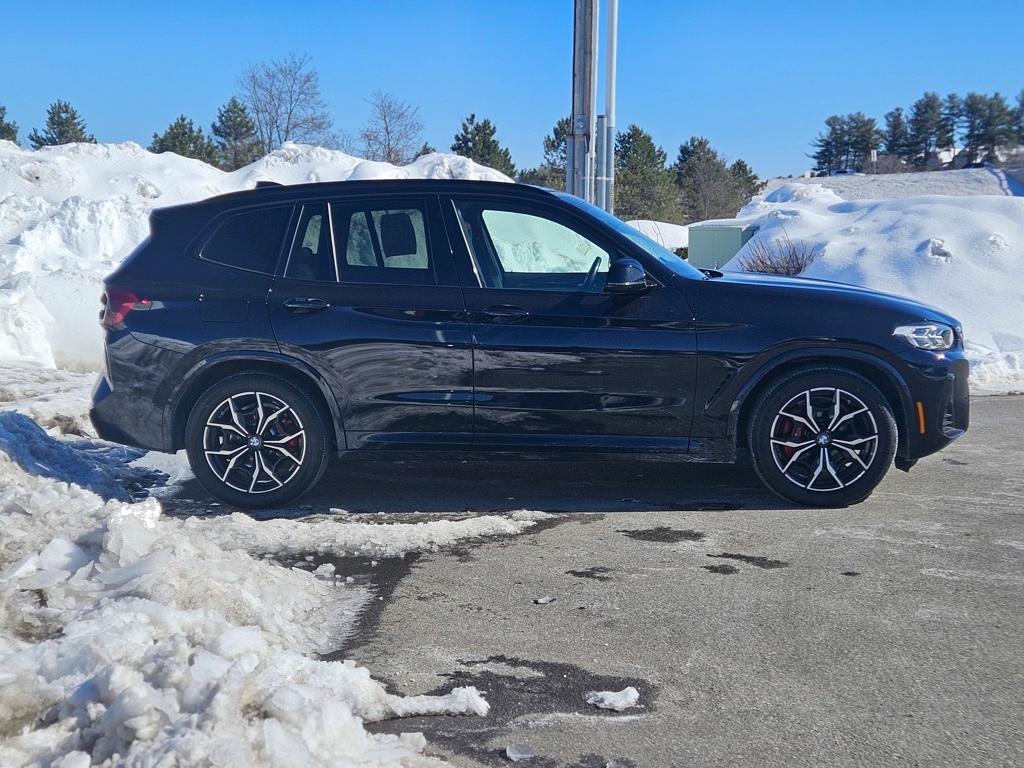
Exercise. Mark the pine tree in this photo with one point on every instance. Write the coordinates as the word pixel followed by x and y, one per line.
pixel 186 139
pixel 975 109
pixel 476 140
pixel 426 149
pixel 643 185
pixel 925 127
pixel 830 148
pixel 750 183
pixel 551 172
pixel 63 126
pixel 863 137
pixel 949 125
pixel 997 127
pixel 708 188
pixel 237 144
pixel 896 138
pixel 1018 130
pixel 8 130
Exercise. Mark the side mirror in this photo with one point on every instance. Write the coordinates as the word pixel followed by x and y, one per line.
pixel 626 276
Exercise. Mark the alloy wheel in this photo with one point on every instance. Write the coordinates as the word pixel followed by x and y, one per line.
pixel 254 442
pixel 824 439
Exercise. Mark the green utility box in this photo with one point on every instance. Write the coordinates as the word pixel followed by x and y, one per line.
pixel 714 242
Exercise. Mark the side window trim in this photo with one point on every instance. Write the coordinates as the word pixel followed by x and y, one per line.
pixel 470 253
pixel 296 226
pixel 334 248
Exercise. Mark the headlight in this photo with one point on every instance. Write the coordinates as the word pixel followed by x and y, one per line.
pixel 937 337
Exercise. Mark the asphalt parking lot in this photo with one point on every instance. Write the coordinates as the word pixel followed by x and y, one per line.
pixel 890 633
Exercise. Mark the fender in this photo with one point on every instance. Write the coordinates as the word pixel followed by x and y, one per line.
pixel 819 354
pixel 188 377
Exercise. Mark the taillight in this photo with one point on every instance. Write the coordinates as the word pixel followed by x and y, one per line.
pixel 117 303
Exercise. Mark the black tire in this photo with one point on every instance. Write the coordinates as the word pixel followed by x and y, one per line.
pixel 848 454
pixel 244 465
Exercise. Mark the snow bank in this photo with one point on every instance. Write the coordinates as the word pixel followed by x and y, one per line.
pixel 69 214
pixel 145 640
pixel 967 181
pixel 672 236
pixel 962 254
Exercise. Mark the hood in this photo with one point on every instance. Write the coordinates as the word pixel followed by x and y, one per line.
pixel 840 292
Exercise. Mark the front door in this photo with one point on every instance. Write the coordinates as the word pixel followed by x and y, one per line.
pixel 369 296
pixel 558 362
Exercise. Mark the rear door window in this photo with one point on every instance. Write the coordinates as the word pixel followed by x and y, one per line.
pixel 383 243
pixel 251 240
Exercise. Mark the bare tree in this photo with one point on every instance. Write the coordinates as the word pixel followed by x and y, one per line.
pixel 392 132
pixel 283 97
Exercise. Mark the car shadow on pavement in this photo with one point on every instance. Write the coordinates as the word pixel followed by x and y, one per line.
pixel 488 485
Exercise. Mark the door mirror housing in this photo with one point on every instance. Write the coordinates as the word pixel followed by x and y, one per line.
pixel 626 276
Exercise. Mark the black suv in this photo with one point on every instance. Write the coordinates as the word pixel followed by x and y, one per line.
pixel 266 330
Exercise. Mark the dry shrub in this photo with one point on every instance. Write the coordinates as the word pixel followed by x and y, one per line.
pixel 781 256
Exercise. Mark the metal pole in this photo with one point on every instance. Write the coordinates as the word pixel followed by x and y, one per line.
pixel 579 177
pixel 601 171
pixel 609 105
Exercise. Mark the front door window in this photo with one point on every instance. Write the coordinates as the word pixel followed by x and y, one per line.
pixel 515 249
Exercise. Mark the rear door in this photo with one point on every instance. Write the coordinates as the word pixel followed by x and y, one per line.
pixel 559 362
pixel 369 296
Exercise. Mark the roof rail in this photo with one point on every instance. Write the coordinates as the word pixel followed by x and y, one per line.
pixel 265 184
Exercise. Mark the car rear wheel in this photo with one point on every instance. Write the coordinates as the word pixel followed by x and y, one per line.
pixel 255 440
pixel 822 437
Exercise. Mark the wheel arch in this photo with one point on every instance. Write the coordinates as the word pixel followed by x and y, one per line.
pixel 875 370
pixel 205 373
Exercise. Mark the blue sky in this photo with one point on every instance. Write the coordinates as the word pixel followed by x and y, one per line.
pixel 757 78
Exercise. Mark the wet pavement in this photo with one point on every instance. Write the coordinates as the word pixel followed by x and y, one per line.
pixel 890 633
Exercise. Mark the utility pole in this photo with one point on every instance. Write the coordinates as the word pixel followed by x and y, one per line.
pixel 590 154
pixel 581 149
pixel 612 38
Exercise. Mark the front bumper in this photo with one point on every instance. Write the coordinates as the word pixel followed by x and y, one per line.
pixel 940 403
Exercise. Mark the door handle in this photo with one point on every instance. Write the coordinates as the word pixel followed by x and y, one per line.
pixel 301 305
pixel 506 313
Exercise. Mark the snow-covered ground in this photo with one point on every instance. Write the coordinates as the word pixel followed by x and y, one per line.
pixel 963 253
pixel 968 181
pixel 132 637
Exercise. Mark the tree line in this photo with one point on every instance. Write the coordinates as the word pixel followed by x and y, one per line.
pixel 279 101
pixel 934 133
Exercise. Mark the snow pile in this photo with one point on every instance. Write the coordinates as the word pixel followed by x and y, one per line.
pixel 140 639
pixel 69 214
pixel 614 700
pixel 962 254
pixel 672 236
pixel 967 181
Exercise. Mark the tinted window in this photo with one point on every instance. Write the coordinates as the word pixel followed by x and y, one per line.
pixel 250 240
pixel 531 251
pixel 311 256
pixel 382 245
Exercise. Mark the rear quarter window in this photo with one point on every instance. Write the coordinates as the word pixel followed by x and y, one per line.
pixel 251 240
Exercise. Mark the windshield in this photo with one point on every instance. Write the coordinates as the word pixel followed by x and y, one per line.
pixel 676 263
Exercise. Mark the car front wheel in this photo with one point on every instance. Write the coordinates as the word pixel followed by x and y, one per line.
pixel 822 437
pixel 255 440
